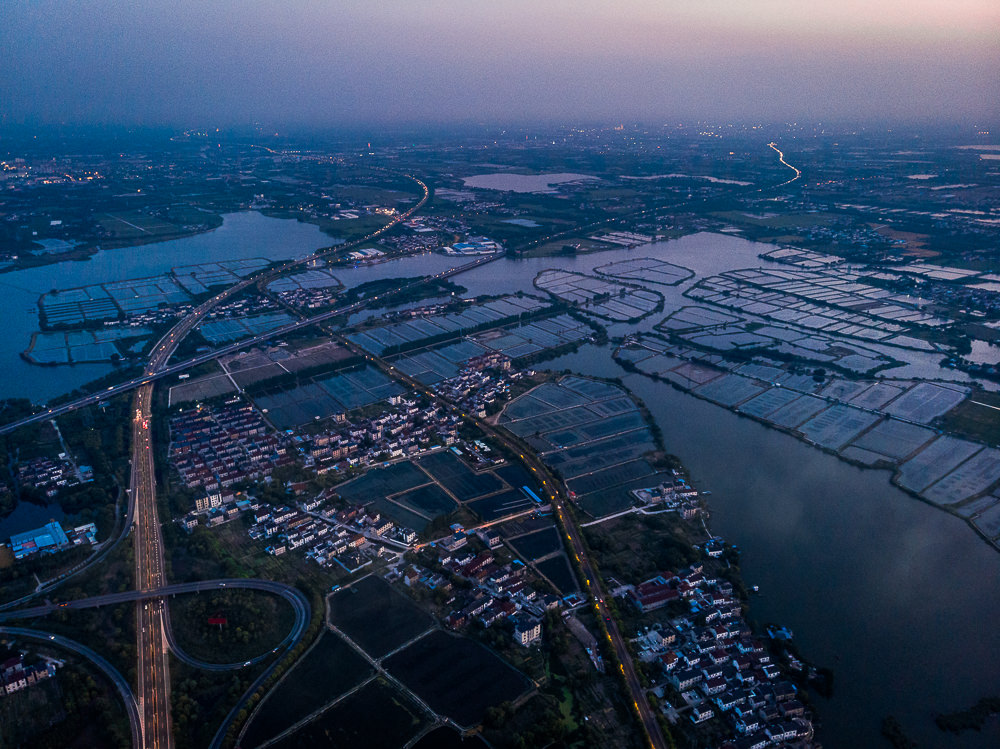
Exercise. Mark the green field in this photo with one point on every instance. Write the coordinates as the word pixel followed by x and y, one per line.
pixel 255 623
pixel 377 617
pixel 456 676
pixel 976 418
pixel 375 717
pixel 777 221
pixel 327 671
pixel 558 247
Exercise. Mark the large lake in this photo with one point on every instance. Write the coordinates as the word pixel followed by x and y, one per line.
pixel 539 183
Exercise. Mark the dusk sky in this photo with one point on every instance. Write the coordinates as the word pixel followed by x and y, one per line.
pixel 192 62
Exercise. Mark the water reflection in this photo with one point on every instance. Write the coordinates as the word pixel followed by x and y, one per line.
pixel 896 596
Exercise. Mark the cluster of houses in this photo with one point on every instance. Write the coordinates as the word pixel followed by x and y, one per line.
pixel 243 306
pixel 49 475
pixel 428 224
pixel 476 388
pixel 411 244
pixel 497 592
pixel 309 297
pixel 402 432
pixel 425 311
pixel 712 659
pixel 351 537
pixel 425 234
pixel 151 317
pixel 675 494
pixel 215 448
pixel 359 534
pixel 15 675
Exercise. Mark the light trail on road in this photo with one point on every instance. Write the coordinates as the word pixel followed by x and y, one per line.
pixel 781 158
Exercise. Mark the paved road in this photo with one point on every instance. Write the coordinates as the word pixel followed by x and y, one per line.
pixel 152 625
pixel 82 650
pixel 148 377
pixel 153 666
pixel 574 537
pixel 591 579
pixel 781 158
pixel 298 601
pixel 151 630
pixel 295 597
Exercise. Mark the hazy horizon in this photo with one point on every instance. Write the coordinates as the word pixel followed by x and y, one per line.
pixel 310 64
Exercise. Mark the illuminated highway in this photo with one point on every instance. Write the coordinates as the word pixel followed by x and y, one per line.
pixel 148 377
pixel 152 618
pixel 151 632
pixel 296 598
pixel 153 667
pixel 781 158
pixel 154 598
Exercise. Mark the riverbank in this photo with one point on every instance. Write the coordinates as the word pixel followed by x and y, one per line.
pixel 960 470
pixel 83 252
pixel 853 566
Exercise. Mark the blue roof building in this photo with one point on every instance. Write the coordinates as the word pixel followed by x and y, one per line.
pixel 48 538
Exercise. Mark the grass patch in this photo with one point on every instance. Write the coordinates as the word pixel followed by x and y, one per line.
pixel 375 717
pixel 377 617
pixel 255 623
pixel 636 547
pixel 326 672
pixel 456 676
pixel 579 245
pixel 971 418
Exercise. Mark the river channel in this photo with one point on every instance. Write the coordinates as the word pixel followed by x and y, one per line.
pixel 898 598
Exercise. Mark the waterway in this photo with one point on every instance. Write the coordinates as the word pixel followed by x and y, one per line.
pixel 27 516
pixel 251 234
pixel 898 598
pixel 241 235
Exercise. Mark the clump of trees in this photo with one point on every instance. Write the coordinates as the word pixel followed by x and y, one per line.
pixel 93 717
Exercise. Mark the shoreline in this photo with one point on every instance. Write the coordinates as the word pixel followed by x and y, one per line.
pixel 893 471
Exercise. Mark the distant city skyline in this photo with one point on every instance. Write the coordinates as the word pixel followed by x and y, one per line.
pixel 107 62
